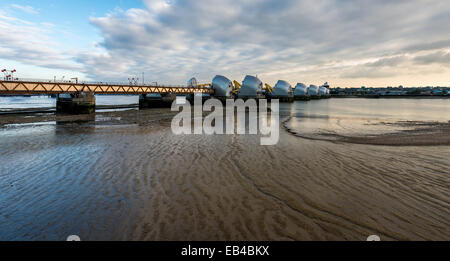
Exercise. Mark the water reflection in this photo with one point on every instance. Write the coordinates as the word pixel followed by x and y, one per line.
pixel 8 103
pixel 364 117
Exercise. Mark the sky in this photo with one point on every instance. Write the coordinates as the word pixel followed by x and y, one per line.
pixel 348 43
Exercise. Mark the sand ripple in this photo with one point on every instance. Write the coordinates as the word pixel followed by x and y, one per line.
pixel 137 181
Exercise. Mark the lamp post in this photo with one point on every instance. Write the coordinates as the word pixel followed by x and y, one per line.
pixel 9 75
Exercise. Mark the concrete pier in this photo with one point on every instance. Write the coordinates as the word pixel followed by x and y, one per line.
pixel 76 103
pixel 284 99
pixel 156 101
pixel 302 98
pixel 191 98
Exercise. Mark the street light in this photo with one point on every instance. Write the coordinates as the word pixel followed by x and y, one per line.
pixel 9 75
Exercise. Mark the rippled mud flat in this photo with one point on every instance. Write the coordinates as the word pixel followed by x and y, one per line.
pixel 371 132
pixel 125 176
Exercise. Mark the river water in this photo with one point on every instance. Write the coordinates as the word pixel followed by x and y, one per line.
pixel 36 102
pixel 117 179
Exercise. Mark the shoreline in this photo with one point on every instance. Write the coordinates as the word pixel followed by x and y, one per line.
pixel 419 134
pixel 53 109
pixel 119 117
pixel 423 134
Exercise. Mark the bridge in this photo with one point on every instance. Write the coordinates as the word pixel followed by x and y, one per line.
pixel 78 98
pixel 42 87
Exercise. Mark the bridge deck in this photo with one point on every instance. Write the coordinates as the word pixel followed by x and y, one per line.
pixel 25 87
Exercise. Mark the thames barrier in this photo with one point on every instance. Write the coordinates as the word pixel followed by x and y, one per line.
pixel 79 98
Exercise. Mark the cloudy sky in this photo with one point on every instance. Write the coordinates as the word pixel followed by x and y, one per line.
pixel 347 43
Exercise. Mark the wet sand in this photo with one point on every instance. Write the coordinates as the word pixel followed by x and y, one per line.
pixel 119 117
pixel 125 176
pixel 415 134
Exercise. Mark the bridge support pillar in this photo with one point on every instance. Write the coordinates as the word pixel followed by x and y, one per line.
pixel 163 101
pixel 283 99
pixel 191 98
pixel 77 103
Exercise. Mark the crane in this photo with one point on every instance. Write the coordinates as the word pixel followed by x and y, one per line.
pixel 237 87
pixel 269 88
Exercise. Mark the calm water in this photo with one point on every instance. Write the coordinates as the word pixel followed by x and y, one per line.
pixel 138 181
pixel 360 117
pixel 8 103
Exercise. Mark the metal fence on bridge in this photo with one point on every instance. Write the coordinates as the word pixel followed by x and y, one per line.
pixel 33 86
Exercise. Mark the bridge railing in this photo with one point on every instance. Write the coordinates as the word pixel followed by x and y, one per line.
pixel 112 83
pixel 36 86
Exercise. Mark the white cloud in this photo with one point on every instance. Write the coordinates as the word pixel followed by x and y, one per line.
pixel 25 8
pixel 295 40
pixel 440 57
pixel 344 42
pixel 29 43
